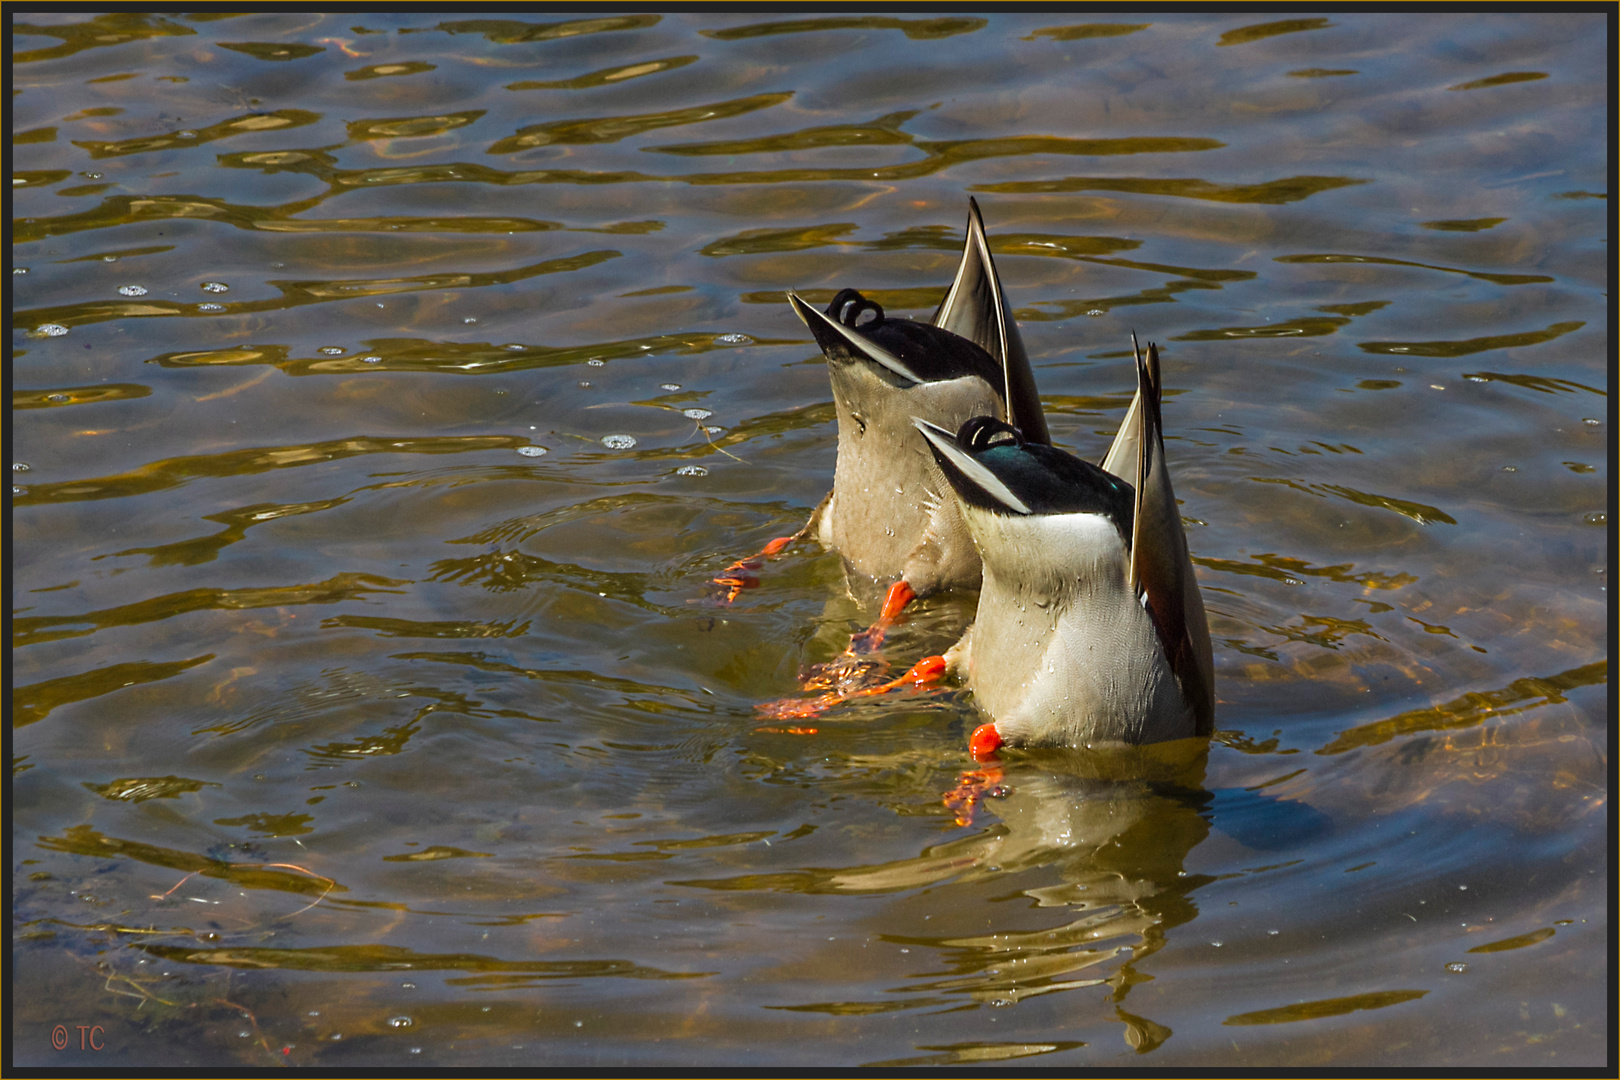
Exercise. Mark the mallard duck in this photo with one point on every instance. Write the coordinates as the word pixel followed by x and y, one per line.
pixel 1090 627
pixel 886 513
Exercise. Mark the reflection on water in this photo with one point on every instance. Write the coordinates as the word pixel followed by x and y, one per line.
pixel 1116 848
pixel 386 388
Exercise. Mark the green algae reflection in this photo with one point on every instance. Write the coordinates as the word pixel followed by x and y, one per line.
pixel 1085 31
pixel 1317 1010
pixel 916 29
pixel 1272 192
pixel 1245 34
pixel 1473 708
pixel 101 32
pixel 1534 937
pixel 1469 346
pixel 395 958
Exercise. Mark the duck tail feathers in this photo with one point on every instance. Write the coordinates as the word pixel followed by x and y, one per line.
pixel 975 307
pixel 1161 567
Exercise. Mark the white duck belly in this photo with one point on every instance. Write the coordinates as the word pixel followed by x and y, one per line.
pixel 1062 652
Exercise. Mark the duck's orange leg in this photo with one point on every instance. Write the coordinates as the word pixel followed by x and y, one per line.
pixel 740 575
pixel 837 670
pixel 899 595
pixel 920 675
pixel 925 671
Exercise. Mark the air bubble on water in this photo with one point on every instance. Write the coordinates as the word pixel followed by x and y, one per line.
pixel 215 286
pixel 515 348
pixel 697 414
pixel 371 359
pixel 532 451
pixel 713 429
pixel 400 1021
pixel 91 175
pixel 469 320
pixel 583 385
pixel 210 307
pixel 19 270
pixel 20 466
pixel 691 470
pixel 618 442
pixel 187 134
pixel 595 363
pixel 734 339
pixel 15 490
pixel 1273 933
pixel 330 350
pixel 51 329
pixel 109 258
pixel 1217 944
pixel 673 386
pixel 131 290
pixel 1594 421
pixel 1456 967
pixel 1094 312
pixel 57 397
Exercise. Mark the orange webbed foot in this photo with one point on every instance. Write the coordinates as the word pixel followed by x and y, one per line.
pixel 854 678
pixel 972 788
pixel 984 742
pixel 845 674
pixel 924 672
pixel 731 581
pixel 799 708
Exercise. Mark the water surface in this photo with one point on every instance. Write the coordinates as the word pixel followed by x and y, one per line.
pixel 386 389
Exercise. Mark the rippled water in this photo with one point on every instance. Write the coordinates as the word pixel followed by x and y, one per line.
pixel 387 388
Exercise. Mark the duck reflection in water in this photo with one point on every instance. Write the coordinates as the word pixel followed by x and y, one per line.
pixel 1101 836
